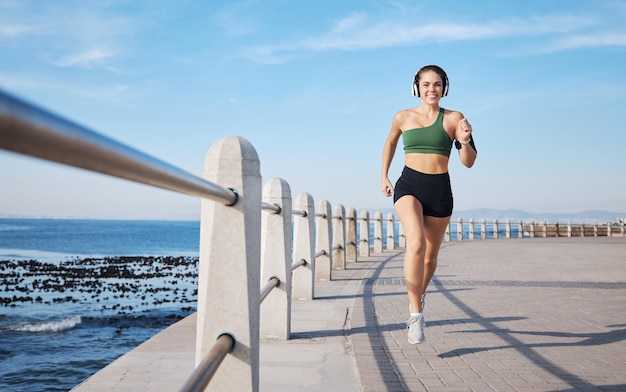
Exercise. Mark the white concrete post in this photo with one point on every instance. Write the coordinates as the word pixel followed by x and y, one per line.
pixel 532 229
pixel 401 237
pixel 229 267
pixel 276 251
pixel 391 232
pixel 447 235
pixel 471 228
pixel 609 233
pixel 520 232
pixel 339 238
pixel 495 229
pixel 304 248
pixel 483 229
pixel 582 229
pixel 459 229
pixel 364 234
pixel 378 232
pixel 351 243
pixel 545 229
pixel 323 253
pixel 508 229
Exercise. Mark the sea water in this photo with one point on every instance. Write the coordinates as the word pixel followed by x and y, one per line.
pixel 77 294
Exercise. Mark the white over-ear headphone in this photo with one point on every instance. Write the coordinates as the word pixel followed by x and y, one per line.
pixel 446 84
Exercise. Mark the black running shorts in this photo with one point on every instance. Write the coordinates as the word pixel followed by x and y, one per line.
pixel 433 191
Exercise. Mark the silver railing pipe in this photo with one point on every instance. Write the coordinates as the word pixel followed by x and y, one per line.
pixel 269 286
pixel 298 264
pixel 299 212
pixel 274 208
pixel 203 374
pixel 28 130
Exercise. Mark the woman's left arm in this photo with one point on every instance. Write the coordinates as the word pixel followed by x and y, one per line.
pixel 464 142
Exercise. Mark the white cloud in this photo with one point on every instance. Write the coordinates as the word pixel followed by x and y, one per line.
pixel 88 59
pixel 589 41
pixel 12 30
pixel 360 32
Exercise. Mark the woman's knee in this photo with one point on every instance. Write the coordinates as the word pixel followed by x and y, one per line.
pixel 416 246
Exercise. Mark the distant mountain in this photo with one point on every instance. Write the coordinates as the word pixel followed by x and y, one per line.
pixel 490 214
pixel 592 216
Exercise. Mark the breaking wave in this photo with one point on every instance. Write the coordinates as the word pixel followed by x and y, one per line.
pixel 49 326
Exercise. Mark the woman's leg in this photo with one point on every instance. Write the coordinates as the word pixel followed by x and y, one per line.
pixel 434 229
pixel 410 212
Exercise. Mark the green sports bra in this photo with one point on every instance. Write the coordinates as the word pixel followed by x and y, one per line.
pixel 432 139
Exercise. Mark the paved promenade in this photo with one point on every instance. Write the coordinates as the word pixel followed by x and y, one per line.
pixel 541 314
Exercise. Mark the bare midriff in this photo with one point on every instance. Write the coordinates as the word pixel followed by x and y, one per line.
pixel 427 163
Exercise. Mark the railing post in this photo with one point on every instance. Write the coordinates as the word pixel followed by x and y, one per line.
pixel 508 229
pixel 276 249
pixel 304 248
pixel 339 238
pixel 459 229
pixel 532 229
pixel 569 229
pixel 391 232
pixel 609 232
pixel 471 228
pixel 582 229
pixel 401 237
pixel 520 233
pixel 225 254
pixel 483 229
pixel 495 229
pixel 364 233
pixel 378 232
pixel 351 245
pixel 545 229
pixel 447 235
pixel 322 241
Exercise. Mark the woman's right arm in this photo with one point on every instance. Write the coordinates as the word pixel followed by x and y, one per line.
pixel 389 150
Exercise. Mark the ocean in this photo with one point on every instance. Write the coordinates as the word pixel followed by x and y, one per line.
pixel 77 294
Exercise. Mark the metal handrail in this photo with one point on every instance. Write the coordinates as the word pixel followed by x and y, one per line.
pixel 320 253
pixel 29 130
pixel 298 264
pixel 275 208
pixel 203 374
pixel 299 212
pixel 269 286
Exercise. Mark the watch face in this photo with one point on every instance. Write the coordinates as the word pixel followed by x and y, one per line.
pixel 457 144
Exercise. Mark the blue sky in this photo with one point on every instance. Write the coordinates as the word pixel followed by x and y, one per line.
pixel 313 86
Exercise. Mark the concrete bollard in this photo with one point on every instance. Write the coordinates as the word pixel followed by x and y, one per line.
pixel 339 238
pixel 364 233
pixel 322 241
pixel 229 269
pixel 351 242
pixel 276 253
pixel 391 232
pixel 304 248
pixel 378 232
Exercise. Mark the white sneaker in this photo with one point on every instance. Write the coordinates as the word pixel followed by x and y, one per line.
pixel 416 325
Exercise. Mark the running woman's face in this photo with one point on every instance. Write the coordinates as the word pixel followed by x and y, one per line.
pixel 431 86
